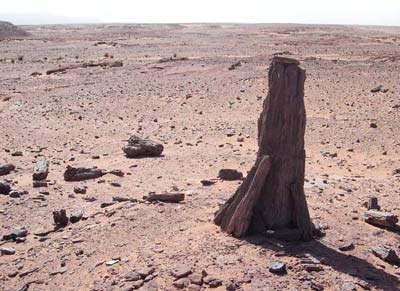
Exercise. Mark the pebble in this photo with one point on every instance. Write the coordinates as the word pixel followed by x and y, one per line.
pixel 180 271
pixel 80 190
pixel 132 276
pixel 112 262
pixel 346 246
pixel 76 216
pixel 277 267
pixel 181 283
pixel 7 251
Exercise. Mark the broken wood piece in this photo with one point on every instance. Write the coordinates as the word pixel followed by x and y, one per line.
pixel 380 218
pixel 241 218
pixel 60 217
pixel 373 203
pixel 80 174
pixel 386 253
pixel 172 197
pixel 86 65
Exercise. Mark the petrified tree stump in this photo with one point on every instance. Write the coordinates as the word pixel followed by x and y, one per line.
pixel 271 198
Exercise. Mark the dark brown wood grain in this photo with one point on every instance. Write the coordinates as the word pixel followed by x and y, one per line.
pixel 280 202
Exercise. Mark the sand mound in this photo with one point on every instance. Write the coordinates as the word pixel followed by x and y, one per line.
pixel 10 31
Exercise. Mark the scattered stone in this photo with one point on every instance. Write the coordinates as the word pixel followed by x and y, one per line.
pixel 16 235
pixel 396 171
pixel 39 184
pixel 60 218
pixel 19 231
pixel 12 273
pixel 80 189
pixel 386 253
pixel 106 204
pixel 379 218
pixel 171 197
pixel 193 287
pixel 317 228
pixel 181 271
pixel 181 283
pixel 235 65
pixel 346 247
pixel 312 267
pixel 277 268
pixel 118 173
pixel 76 216
pixel 196 279
pixel 373 125
pixel 144 272
pixel 208 182
pixel 137 284
pixel 15 194
pixel 142 147
pixel 16 154
pixel 373 203
pixel 80 174
pixel 123 199
pixel 41 170
pixel 230 174
pixel 232 286
pixel 6 169
pixel 59 271
pixel 112 262
pixel 5 188
pixel 115 184
pixel 7 251
pixel 133 276
pixel 212 282
pixel 380 88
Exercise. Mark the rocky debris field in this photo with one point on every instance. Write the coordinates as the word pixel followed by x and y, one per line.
pixel 120 142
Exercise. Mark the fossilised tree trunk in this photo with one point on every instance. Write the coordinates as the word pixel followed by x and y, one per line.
pixel 271 198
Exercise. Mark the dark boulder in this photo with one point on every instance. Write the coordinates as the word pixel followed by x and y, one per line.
pixel 142 147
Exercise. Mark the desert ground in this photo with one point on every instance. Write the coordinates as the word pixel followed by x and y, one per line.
pixel 205 115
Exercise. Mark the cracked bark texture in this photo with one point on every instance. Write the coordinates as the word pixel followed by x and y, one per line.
pixel 280 203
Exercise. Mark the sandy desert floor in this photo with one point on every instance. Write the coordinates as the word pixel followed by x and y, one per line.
pixel 200 110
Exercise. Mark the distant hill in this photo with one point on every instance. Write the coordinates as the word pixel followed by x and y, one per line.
pixel 10 31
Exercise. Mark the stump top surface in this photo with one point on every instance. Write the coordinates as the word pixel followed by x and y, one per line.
pixel 285 60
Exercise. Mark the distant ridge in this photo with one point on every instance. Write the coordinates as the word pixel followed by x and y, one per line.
pixel 10 31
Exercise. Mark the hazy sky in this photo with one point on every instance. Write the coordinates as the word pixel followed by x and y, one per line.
pixel 381 12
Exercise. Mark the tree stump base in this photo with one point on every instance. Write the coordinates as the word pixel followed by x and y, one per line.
pixel 271 199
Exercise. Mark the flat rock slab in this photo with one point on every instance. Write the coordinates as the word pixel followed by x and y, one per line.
pixel 138 147
pixel 172 197
pixel 41 170
pixel 6 169
pixel 379 218
pixel 80 174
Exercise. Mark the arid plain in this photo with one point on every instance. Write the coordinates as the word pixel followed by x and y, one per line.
pixel 177 86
